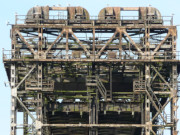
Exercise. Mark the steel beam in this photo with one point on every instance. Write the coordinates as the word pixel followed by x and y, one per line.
pixel 49 48
pixel 108 42
pixel 24 40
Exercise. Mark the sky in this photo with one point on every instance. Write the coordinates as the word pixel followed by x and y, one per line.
pixel 10 7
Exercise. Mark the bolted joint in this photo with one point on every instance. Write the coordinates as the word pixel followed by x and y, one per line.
pixel 40 55
pixel 14 92
pixel 38 124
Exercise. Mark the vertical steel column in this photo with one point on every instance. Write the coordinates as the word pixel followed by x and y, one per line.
pixel 174 89
pixel 174 100
pixel 147 34
pixel 147 101
pixel 147 80
pixel 67 47
pixel 13 85
pixel 94 43
pixel 109 92
pixel 142 118
pixel 141 74
pixel 40 36
pixel 25 122
pixel 13 99
pixel 120 44
pixel 39 99
pixel 39 114
pixel 40 75
pixel 93 114
pixel 45 121
pixel 93 117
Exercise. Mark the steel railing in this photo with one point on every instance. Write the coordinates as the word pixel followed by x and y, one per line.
pixel 21 19
pixel 134 55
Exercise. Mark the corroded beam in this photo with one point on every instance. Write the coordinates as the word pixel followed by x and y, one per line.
pixel 24 40
pixel 108 42
pixel 55 41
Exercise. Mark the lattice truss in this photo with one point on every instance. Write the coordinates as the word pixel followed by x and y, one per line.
pixel 93 76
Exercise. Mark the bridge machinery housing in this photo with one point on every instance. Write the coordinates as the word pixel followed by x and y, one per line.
pixel 72 73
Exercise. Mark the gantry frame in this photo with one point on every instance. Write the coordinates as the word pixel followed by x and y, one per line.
pixel 45 59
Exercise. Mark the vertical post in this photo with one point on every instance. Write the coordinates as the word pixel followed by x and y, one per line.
pixel 67 48
pixel 147 101
pixel 25 122
pixel 13 89
pixel 40 43
pixel 40 75
pixel 13 99
pixel 93 117
pixel 40 36
pixel 174 89
pixel 142 118
pixel 147 115
pixel 39 113
pixel 45 121
pixel 97 106
pixel 174 100
pixel 110 80
pixel 141 74
pixel 39 99
pixel 93 114
pixel 147 80
pixel 147 48
pixel 94 42
pixel 120 44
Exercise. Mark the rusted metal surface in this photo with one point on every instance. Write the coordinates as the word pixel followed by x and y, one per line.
pixel 93 75
pixel 115 12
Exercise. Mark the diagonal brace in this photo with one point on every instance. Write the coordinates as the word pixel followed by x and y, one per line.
pixel 24 40
pixel 32 117
pixel 157 109
pixel 161 109
pixel 25 77
pixel 161 77
pixel 102 49
pixel 137 48
pixel 157 48
pixel 153 132
pixel 79 42
pixel 54 41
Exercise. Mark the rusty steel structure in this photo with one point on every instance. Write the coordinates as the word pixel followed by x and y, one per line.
pixel 75 74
